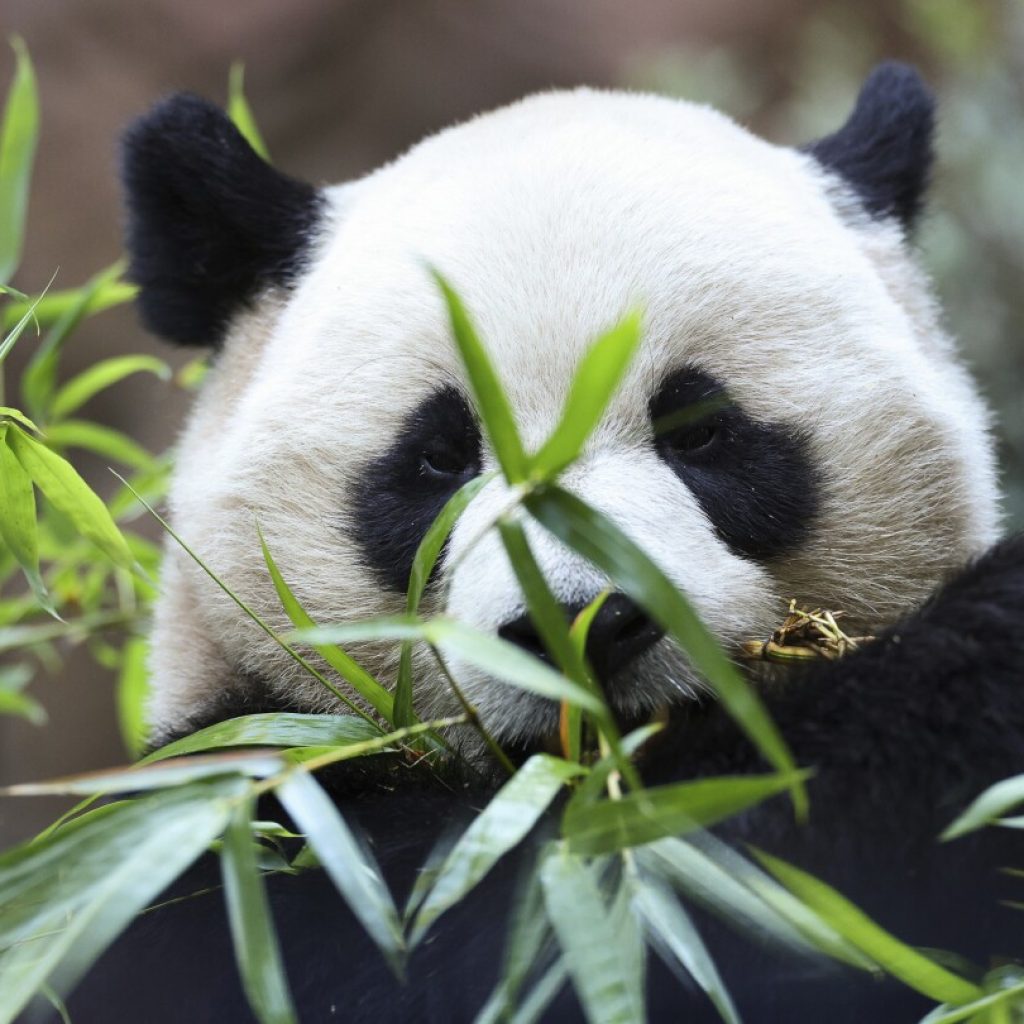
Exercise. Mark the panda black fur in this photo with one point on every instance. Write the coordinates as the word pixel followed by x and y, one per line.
pixel 853 469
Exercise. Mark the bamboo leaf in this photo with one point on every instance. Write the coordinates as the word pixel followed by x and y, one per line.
pixel 349 866
pixel 56 923
pixel 900 960
pixel 595 382
pixel 7 413
pixel 676 939
pixel 988 807
pixel 18 328
pixel 506 820
pixel 272 730
pixel 491 400
pixel 1007 998
pixel 102 375
pixel 598 539
pixel 18 529
pixel 252 929
pixel 146 776
pixel 594 950
pixel 504 661
pixel 240 112
pixel 70 494
pixel 56 304
pixel 722 880
pixel 348 668
pixel 104 441
pixel 132 693
pixel 19 133
pixel 645 815
pixel 62 312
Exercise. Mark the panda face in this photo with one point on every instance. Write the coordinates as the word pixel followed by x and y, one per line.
pixel 794 424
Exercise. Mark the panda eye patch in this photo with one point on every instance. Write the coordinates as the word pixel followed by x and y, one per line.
pixel 398 494
pixel 755 481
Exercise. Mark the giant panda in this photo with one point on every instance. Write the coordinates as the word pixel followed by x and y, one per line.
pixel 847 461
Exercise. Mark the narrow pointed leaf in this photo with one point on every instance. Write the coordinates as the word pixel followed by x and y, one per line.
pixel 593 950
pixel 349 866
pixel 240 112
pixel 61 312
pixel 650 814
pixel 988 807
pixel 595 382
pixel 597 538
pixel 110 868
pixel 18 529
pixel 900 960
pixel 132 694
pixel 18 328
pixel 51 308
pixel 102 375
pixel 252 929
pixel 1007 998
pixel 491 400
pixel 272 730
pixel 7 413
pixel 103 441
pixel 348 668
pixel 741 894
pixel 70 494
pixel 677 941
pixel 506 820
pixel 19 133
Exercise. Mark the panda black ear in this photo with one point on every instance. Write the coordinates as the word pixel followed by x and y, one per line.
pixel 884 151
pixel 209 221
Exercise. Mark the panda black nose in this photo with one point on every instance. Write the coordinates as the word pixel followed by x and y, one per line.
pixel 620 632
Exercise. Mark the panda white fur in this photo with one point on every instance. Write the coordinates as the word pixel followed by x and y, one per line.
pixel 852 468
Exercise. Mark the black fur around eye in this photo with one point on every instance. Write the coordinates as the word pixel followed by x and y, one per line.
pixel 755 481
pixel 399 493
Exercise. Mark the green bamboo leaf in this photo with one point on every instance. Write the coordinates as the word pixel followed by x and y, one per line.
pixel 18 328
pixel 100 440
pixel 353 871
pixel 598 539
pixel 132 694
pixel 240 112
pixel 714 875
pixel 508 663
pixel 56 304
pixel 19 133
pixel 649 814
pixel 900 960
pixel 988 807
pixel 595 952
pixel 100 376
pixel 7 413
pixel 510 815
pixel 39 380
pixel 595 382
pixel 491 400
pixel 504 661
pixel 347 667
pixel 528 945
pixel 1007 998
pixel 19 705
pixel 110 868
pixel 70 494
pixel 272 730
pixel 678 942
pixel 252 929
pixel 433 541
pixel 146 776
pixel 18 529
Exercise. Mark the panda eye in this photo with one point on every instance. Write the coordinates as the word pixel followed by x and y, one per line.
pixel 441 460
pixel 693 439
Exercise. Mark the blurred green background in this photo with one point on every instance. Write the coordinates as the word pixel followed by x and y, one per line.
pixel 341 85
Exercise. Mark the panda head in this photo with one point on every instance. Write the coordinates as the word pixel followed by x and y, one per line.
pixel 844 459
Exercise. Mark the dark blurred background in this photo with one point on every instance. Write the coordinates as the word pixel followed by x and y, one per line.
pixel 338 86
